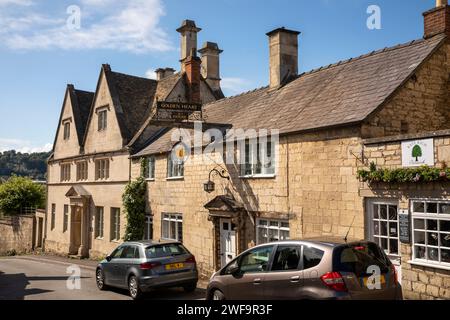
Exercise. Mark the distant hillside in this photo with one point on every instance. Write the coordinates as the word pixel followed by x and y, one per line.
pixel 32 165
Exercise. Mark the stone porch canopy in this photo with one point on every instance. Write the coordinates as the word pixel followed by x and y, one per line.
pixel 224 206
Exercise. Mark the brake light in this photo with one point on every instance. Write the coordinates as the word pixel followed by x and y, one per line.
pixel 394 272
pixel 334 281
pixel 191 259
pixel 149 265
pixel 360 248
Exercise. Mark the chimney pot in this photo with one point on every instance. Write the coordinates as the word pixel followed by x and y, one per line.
pixel 188 31
pixel 162 73
pixel 283 45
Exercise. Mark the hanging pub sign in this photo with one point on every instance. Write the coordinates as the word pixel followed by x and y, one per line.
pixel 404 227
pixel 178 111
pixel 418 153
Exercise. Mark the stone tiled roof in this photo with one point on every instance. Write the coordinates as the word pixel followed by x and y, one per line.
pixel 343 93
pixel 81 109
pixel 340 94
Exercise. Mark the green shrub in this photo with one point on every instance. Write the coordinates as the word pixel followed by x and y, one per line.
pixel 134 205
pixel 18 192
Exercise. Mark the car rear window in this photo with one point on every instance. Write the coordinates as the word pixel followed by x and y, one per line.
pixel 357 258
pixel 311 257
pixel 165 250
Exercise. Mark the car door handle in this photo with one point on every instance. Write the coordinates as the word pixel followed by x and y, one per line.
pixel 257 281
pixel 295 279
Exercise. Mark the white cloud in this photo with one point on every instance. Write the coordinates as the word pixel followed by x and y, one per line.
pixel 15 2
pixel 235 85
pixel 150 74
pixel 131 26
pixel 22 146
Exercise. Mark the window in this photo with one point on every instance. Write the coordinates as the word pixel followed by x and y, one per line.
pixel 271 230
pixel 66 218
pixel 102 169
pixel 66 130
pixel 165 250
pixel 115 224
pixel 256 261
pixel 82 171
pixel 65 172
pixel 384 227
pixel 149 173
pixel 99 222
pixel 286 258
pixel 311 257
pixel 431 232
pixel 148 231
pixel 172 227
pixel 259 159
pixel 53 217
pixel 102 120
pixel 175 169
pixel 130 252
pixel 117 254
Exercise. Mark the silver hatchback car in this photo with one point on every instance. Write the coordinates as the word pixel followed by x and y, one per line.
pixel 308 270
pixel 142 266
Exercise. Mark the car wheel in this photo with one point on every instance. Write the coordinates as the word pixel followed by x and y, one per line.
pixel 133 288
pixel 100 279
pixel 191 287
pixel 218 295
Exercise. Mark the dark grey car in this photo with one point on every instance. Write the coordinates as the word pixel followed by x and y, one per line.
pixel 142 266
pixel 307 270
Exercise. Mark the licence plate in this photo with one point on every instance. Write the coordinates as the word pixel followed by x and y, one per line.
pixel 371 280
pixel 175 266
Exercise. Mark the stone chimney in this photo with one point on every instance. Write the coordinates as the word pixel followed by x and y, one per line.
pixel 188 31
pixel 437 20
pixel 192 66
pixel 211 64
pixel 283 56
pixel 162 73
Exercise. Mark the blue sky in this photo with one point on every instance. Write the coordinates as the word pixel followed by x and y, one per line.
pixel 39 54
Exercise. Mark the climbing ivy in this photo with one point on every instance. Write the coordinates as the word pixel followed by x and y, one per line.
pixel 404 175
pixel 134 204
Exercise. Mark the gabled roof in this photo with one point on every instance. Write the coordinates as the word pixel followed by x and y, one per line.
pixel 224 203
pixel 81 103
pixel 340 94
pixel 344 93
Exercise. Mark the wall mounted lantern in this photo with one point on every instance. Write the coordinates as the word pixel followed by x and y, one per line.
pixel 210 186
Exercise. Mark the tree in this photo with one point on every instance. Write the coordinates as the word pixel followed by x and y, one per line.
pixel 18 192
pixel 417 152
pixel 134 204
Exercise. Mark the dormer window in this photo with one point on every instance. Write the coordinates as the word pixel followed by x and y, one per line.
pixel 102 115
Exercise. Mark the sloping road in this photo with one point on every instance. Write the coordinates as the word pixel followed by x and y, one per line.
pixel 40 278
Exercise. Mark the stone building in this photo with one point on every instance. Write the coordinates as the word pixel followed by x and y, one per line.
pixel 332 122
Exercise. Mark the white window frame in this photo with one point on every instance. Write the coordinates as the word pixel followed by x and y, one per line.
pixel 99 231
pixel 172 218
pixel 252 160
pixel 175 170
pixel 263 224
pixel 115 224
pixel 427 217
pixel 150 174
pixel 148 227
pixel 378 238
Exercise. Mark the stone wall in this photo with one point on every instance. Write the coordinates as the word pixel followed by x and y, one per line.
pixel 16 233
pixel 418 282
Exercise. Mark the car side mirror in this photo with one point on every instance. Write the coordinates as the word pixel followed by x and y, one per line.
pixel 108 258
pixel 234 270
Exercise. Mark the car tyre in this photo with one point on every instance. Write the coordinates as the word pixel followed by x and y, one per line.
pixel 218 295
pixel 100 280
pixel 190 287
pixel 133 288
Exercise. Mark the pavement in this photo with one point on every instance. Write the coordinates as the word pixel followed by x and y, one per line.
pixel 46 278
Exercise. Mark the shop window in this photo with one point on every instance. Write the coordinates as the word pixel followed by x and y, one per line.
pixel 431 232
pixel 172 227
pixel 272 230
pixel 259 159
pixel 383 227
